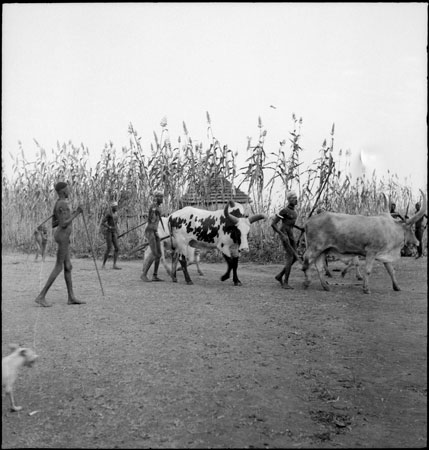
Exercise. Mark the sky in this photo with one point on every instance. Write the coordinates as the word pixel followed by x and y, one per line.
pixel 82 72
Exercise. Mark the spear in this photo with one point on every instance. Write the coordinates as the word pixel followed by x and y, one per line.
pixel 131 229
pixel 45 221
pixel 123 234
pixel 92 252
pixel 143 246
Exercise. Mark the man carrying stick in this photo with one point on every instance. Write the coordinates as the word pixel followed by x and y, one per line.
pixel 62 220
pixel 151 233
pixel 288 216
pixel 110 229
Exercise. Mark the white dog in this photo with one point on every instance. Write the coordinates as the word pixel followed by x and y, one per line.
pixel 10 366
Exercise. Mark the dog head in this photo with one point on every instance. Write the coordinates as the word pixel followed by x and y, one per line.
pixel 28 355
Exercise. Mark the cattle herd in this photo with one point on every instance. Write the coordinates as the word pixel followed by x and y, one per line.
pixel 345 236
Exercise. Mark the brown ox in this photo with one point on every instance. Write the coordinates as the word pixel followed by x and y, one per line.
pixel 373 237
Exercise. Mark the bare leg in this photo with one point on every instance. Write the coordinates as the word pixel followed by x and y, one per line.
pixel 116 252
pixel 52 277
pixel 108 237
pixel 72 300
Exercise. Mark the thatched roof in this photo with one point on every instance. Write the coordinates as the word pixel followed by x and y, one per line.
pixel 218 192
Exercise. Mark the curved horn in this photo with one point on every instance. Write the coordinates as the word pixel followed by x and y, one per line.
pixel 257 217
pixel 229 216
pixel 419 214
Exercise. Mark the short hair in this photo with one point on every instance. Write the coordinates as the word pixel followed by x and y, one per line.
pixel 60 185
pixel 291 194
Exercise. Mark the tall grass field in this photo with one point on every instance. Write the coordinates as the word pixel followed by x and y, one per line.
pixel 130 175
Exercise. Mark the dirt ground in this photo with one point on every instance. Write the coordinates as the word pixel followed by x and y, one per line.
pixel 166 365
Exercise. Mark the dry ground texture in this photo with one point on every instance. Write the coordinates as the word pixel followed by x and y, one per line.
pixel 164 365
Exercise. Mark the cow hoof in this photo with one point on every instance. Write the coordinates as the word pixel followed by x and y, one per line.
pixel 396 288
pixel 237 283
pixel 189 282
pixel 224 277
pixel 326 287
pixel 366 291
pixel 174 280
pixel 306 284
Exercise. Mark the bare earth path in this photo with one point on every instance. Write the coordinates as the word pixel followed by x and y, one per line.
pixel 164 365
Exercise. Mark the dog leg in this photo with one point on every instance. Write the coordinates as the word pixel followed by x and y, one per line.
pixel 13 407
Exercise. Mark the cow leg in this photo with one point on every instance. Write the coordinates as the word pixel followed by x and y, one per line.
pixel 305 267
pixel 197 262
pixel 174 260
pixel 227 274
pixel 185 270
pixel 391 272
pixel 369 261
pixel 358 274
pixel 326 268
pixel 320 267
pixel 164 263
pixel 346 269
pixel 234 261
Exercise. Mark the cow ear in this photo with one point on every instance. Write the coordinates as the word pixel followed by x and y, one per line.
pixel 23 352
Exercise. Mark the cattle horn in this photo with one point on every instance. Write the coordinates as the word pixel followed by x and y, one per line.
pixel 228 215
pixel 420 213
pixel 257 217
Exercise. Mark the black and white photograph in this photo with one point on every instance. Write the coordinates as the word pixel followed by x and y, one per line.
pixel 214 225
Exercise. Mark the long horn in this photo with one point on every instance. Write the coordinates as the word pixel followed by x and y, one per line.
pixel 257 217
pixel 229 216
pixel 420 213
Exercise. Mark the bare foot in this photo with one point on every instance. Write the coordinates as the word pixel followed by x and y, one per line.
pixel 75 301
pixel 286 286
pixel 42 302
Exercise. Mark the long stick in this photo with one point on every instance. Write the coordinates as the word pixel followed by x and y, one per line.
pixel 92 252
pixel 100 245
pixel 45 221
pixel 146 244
pixel 131 229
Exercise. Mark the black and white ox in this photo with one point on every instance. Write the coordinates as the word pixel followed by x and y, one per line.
pixel 376 238
pixel 225 229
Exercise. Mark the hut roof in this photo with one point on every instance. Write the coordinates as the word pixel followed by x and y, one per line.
pixel 218 192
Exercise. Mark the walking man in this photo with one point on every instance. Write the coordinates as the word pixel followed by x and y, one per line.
pixel 151 233
pixel 288 217
pixel 62 220
pixel 109 225
pixel 419 230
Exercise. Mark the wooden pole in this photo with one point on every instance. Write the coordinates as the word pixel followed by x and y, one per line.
pixel 92 252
